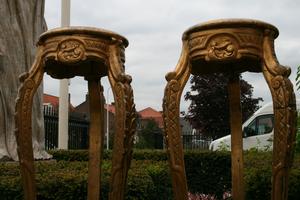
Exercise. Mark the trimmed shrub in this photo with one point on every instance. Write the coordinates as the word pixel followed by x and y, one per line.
pixel 140 185
pixel 159 172
pixel 68 181
pixel 154 155
pixel 83 155
pixel 75 155
pixel 207 173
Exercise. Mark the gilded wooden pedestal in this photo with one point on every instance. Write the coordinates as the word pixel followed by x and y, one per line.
pixel 233 46
pixel 91 53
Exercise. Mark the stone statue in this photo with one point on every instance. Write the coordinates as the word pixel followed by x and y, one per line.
pixel 22 21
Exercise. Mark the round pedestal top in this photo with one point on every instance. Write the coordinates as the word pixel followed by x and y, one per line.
pixel 228 45
pixel 80 51
pixel 81 30
pixel 231 23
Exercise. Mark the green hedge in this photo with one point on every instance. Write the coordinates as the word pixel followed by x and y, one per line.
pixel 68 181
pixel 207 172
pixel 82 155
pixel 210 172
pixel 205 162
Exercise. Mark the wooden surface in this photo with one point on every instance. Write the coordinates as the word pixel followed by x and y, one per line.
pixel 285 117
pixel 233 46
pixel 96 135
pixel 171 104
pixel 92 53
pixel 236 138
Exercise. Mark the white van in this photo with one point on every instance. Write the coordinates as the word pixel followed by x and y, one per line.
pixel 257 131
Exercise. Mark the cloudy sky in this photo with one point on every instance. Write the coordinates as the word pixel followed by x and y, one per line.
pixel 154 30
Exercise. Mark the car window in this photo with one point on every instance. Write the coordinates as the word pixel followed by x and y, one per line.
pixel 252 127
pixel 265 124
pixel 260 125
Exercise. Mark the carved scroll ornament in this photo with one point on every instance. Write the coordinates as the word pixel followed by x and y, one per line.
pixel 92 53
pixel 233 46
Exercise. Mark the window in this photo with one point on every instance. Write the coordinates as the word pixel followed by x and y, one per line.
pixel 260 125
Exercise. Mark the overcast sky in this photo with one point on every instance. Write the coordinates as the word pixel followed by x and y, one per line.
pixel 154 29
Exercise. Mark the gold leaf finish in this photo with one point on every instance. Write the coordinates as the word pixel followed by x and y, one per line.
pixel 70 51
pixel 233 46
pixel 91 53
pixel 221 48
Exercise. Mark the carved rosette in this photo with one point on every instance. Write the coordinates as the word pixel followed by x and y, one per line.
pixel 225 45
pixel 71 51
pixel 221 47
pixel 60 50
pixel 75 49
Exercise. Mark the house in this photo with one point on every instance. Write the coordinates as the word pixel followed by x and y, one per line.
pixel 109 111
pixel 149 135
pixel 78 126
pixel 52 102
pixel 150 114
pixel 84 108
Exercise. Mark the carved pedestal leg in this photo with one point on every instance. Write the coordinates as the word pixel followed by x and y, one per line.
pixel 236 138
pixel 171 102
pixel 284 117
pixel 30 82
pixel 125 124
pixel 96 133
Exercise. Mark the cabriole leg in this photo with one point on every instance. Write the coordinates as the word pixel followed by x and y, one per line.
pixel 125 125
pixel 285 116
pixel 171 102
pixel 29 84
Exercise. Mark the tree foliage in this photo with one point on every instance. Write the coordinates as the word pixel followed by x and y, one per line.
pixel 150 136
pixel 209 108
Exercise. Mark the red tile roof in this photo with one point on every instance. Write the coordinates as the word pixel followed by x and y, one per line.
pixel 150 113
pixel 53 100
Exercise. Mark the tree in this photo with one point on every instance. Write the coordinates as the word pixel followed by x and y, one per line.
pixel 209 110
pixel 150 136
pixel 21 24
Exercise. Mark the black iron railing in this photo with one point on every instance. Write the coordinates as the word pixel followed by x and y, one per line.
pixel 78 130
pixel 195 142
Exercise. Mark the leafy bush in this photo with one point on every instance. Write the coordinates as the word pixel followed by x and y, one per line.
pixel 83 155
pixel 208 172
pixel 68 181
pixel 258 172
pixel 159 172
pixel 75 155
pixel 149 176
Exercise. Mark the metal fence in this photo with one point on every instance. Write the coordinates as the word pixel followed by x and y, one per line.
pixel 195 142
pixel 78 130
